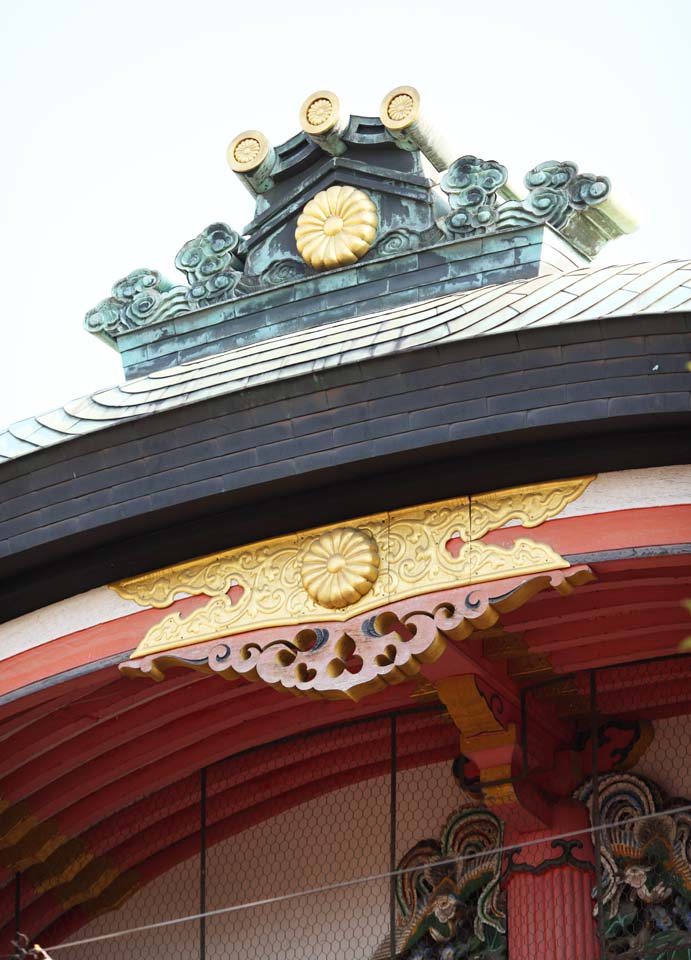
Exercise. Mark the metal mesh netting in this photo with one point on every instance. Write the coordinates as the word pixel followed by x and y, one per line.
pixel 163 861
pixel 323 839
pixel 313 824
pixel 319 809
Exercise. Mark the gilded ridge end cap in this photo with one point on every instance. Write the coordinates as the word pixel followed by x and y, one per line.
pixel 320 113
pixel 247 151
pixel 400 108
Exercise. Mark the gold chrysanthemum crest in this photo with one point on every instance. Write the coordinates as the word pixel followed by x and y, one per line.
pixel 339 567
pixel 320 113
pixel 247 151
pixel 336 227
pixel 400 108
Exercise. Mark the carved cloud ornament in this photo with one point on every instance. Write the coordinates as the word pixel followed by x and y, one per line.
pixel 213 271
pixel 139 299
pixel 471 185
pixel 210 263
pixel 576 204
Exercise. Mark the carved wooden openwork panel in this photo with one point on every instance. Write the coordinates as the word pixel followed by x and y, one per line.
pixel 360 656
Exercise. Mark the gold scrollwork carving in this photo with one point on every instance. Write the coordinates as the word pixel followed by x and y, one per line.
pixel 211 576
pixel 529 505
pixel 216 619
pixel 487 561
pixel 382 558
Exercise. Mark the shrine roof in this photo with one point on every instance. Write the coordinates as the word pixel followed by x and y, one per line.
pixel 584 294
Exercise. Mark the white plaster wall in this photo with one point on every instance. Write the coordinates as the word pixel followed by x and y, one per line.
pixel 341 836
pixel 60 619
pixel 631 489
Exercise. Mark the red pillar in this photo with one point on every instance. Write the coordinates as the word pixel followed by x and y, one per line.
pixel 549 884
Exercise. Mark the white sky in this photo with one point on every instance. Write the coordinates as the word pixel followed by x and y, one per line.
pixel 116 117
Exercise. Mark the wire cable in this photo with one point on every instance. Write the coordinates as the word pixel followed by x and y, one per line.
pixel 357 881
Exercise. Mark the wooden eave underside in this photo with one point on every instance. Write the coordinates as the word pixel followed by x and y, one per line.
pixel 87 761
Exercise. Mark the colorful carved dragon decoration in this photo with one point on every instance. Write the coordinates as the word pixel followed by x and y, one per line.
pixel 646 868
pixel 449 902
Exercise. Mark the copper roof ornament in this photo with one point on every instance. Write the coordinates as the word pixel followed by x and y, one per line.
pixel 345 192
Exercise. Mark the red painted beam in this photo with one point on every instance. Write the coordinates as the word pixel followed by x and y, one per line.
pixel 142 715
pixel 76 804
pixel 119 700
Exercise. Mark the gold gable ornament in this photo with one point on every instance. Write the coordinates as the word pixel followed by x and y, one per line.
pixel 345 571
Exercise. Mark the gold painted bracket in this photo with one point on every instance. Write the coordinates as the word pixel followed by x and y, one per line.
pixel 365 654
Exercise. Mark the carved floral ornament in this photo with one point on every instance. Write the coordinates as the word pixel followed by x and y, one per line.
pixel 401 107
pixel 336 575
pixel 247 151
pixel 339 567
pixel 320 113
pixel 336 228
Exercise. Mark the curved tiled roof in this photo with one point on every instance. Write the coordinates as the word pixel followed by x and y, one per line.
pixel 589 293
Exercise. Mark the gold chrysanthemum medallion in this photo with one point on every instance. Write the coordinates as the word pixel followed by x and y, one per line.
pixel 336 227
pixel 400 107
pixel 339 567
pixel 247 151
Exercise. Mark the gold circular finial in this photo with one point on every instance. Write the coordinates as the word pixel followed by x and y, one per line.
pixel 336 227
pixel 339 567
pixel 320 112
pixel 247 151
pixel 400 108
